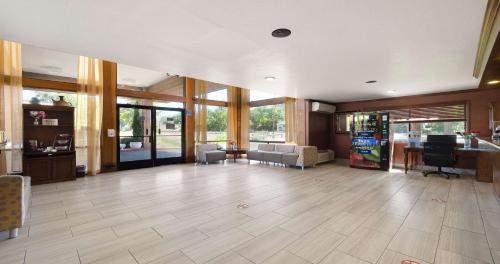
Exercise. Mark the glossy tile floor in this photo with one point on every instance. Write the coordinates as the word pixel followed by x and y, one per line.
pixel 327 214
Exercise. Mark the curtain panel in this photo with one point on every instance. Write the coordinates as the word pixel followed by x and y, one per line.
pixel 200 117
pixel 232 115
pixel 11 105
pixel 88 114
pixel 290 120
pixel 244 119
pixel 300 123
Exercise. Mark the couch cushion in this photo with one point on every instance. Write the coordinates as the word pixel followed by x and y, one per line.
pixel 285 148
pixel 272 156
pixel 289 158
pixel 254 155
pixel 206 147
pixel 266 147
pixel 215 155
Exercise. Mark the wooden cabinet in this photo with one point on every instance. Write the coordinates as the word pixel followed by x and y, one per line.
pixel 38 168
pixel 48 167
pixel 484 166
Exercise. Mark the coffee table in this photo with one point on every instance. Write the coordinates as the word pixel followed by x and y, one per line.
pixel 236 153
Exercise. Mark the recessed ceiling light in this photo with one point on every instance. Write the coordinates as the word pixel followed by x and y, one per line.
pixel 372 81
pixel 270 78
pixel 281 33
pixel 494 82
pixel 391 91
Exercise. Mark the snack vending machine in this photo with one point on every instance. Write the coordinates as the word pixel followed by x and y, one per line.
pixel 370 140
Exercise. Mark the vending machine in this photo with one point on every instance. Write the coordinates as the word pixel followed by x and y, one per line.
pixel 370 140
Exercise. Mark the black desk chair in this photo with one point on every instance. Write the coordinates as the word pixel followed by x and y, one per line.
pixel 439 151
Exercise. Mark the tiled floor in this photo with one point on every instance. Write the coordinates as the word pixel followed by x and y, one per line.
pixel 327 214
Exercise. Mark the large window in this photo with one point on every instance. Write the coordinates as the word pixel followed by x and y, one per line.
pixel 267 124
pixel 217 125
pixel 31 95
pixel 432 120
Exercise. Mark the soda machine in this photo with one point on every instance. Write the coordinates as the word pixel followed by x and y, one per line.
pixel 370 140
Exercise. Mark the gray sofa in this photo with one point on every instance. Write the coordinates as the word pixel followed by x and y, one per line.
pixel 287 155
pixel 206 153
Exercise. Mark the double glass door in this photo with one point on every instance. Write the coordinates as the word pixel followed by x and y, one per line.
pixel 149 136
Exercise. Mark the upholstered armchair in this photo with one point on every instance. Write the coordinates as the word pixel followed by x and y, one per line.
pixel 206 153
pixel 308 156
pixel 15 192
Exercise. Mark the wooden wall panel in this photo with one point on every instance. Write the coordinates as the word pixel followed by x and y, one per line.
pixel 109 144
pixel 189 119
pixel 320 130
pixel 149 95
pixel 49 84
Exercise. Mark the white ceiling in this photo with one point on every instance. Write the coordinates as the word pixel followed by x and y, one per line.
pixel 45 61
pixel 410 46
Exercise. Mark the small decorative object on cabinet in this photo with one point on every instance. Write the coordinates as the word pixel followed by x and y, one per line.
pixel 60 102
pixel 52 159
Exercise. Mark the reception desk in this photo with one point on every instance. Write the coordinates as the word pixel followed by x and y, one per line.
pixel 496 169
pixel 485 156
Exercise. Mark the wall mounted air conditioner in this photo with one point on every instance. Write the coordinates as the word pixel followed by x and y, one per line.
pixel 322 108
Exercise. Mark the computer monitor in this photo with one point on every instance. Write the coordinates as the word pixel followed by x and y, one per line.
pixel 442 139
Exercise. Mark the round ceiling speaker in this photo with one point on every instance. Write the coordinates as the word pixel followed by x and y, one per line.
pixel 281 33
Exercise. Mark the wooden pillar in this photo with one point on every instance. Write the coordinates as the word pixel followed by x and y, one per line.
pixel 189 92
pixel 109 144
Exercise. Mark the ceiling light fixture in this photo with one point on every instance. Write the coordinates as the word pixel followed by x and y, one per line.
pixel 281 33
pixel 494 82
pixel 270 78
pixel 372 81
pixel 391 91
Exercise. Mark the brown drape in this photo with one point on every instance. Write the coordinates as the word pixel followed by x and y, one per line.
pixel 232 115
pixel 88 115
pixel 290 120
pixel 11 105
pixel 244 119
pixel 200 118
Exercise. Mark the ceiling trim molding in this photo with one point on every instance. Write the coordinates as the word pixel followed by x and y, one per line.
pixel 489 32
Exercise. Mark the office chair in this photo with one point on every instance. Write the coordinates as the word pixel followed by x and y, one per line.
pixel 439 151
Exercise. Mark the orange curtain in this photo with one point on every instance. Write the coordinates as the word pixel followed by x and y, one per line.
pixel 11 105
pixel 244 119
pixel 200 118
pixel 88 115
pixel 290 120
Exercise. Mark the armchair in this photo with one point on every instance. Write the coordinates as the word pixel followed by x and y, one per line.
pixel 15 194
pixel 206 153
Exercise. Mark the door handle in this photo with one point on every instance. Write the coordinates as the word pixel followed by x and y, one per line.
pixel 147 131
pixel 159 131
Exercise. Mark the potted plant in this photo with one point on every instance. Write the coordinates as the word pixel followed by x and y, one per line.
pixel 469 137
pixel 137 130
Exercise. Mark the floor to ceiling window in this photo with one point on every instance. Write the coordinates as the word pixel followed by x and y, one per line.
pixel 267 119
pixel 216 107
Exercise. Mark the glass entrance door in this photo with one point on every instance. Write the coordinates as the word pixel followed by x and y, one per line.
pixel 135 141
pixel 149 136
pixel 169 135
